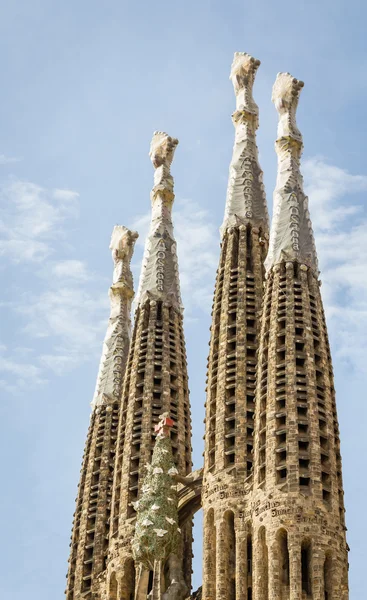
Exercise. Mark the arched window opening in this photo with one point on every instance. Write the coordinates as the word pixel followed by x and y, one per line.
pixel 306 567
pixel 113 587
pixel 127 584
pixel 284 557
pixel 328 577
pixel 150 582
pixel 249 566
pixel 231 554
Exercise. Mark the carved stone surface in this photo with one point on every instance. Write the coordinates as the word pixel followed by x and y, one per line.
pixel 271 487
pixel 246 200
pixel 117 339
pixel 159 276
pixel 91 518
pixel 291 236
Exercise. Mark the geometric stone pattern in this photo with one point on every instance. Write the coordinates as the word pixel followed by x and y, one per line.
pixel 280 534
pixel 156 378
pixel 89 540
pixel 235 331
pixel 271 487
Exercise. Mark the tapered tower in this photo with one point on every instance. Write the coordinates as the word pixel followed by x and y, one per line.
pixel 89 540
pixel 300 549
pixel 230 403
pixel 156 379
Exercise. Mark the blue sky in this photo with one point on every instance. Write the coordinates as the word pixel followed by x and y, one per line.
pixel 84 85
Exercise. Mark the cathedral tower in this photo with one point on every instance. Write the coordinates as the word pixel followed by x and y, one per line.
pixel 156 379
pixel 230 403
pixel 89 540
pixel 300 549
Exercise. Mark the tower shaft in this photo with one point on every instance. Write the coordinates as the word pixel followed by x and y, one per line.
pixel 156 378
pixel 230 403
pixel 89 540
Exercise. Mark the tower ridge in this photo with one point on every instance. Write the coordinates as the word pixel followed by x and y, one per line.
pixel 89 539
pixel 291 234
pixel 159 278
pixel 246 201
pixel 232 363
pixel 117 339
pixel 155 382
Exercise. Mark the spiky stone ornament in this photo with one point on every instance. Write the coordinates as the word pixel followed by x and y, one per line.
pixel 157 534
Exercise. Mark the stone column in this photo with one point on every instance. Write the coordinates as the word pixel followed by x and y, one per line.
pixel 241 565
pixel 317 573
pixel 274 571
pixel 209 556
pixel 222 569
pixel 295 571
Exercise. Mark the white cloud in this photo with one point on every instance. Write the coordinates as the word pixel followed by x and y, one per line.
pixel 70 270
pixel 64 320
pixel 198 251
pixel 7 160
pixel 72 315
pixel 340 230
pixel 328 187
pixel 30 219
pixel 17 375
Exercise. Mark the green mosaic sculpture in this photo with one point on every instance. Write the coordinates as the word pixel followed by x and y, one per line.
pixel 157 541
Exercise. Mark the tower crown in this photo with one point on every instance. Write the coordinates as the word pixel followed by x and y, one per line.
pixel 291 236
pixel 243 72
pixel 285 95
pixel 245 202
pixel 117 339
pixel 159 278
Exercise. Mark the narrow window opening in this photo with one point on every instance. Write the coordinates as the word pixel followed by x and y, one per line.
pixel 327 578
pixel 305 563
pixel 284 559
pixel 249 566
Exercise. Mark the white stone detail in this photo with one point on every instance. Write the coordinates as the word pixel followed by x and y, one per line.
pixel 116 343
pixel 147 522
pixel 246 201
pixel 157 471
pixel 160 532
pixel 291 236
pixel 159 278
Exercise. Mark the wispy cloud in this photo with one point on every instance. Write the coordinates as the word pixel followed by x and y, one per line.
pixel 198 250
pixel 64 321
pixel 31 219
pixel 71 269
pixel 67 318
pixel 16 374
pixel 7 160
pixel 340 225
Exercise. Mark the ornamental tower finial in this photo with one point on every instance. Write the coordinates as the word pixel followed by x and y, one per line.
pixel 291 236
pixel 246 200
pixel 159 278
pixel 116 343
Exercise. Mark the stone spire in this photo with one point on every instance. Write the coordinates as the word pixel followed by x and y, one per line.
pixel 246 200
pixel 116 343
pixel 298 526
pixel 89 540
pixel 291 236
pixel 232 361
pixel 159 277
pixel 155 382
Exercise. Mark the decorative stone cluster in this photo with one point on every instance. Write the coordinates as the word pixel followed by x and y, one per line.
pixel 157 534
